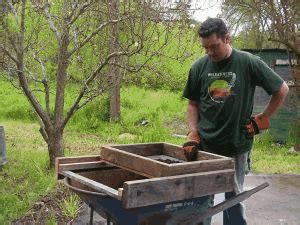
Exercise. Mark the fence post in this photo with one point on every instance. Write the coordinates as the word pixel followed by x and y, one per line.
pixel 2 147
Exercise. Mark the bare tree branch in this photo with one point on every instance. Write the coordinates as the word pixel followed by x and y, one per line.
pixel 6 52
pixel 75 105
pixel 287 43
pixel 45 83
pixel 10 4
pixel 50 21
pixel 22 78
pixel 88 38
pixel 81 10
pixel 90 98
pixel 11 37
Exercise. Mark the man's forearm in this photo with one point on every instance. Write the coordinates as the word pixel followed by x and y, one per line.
pixel 192 115
pixel 276 100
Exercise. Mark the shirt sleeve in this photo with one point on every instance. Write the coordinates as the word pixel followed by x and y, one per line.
pixel 264 76
pixel 191 91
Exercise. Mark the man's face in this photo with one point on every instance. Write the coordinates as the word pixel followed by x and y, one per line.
pixel 216 48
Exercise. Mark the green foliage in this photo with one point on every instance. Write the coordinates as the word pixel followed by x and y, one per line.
pixel 171 45
pixel 26 176
pixel 92 116
pixel 269 157
pixel 169 70
pixel 137 105
pixel 70 206
pixel 14 105
pixel 51 220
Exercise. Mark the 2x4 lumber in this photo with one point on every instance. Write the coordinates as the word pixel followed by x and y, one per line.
pixel 176 152
pixel 139 149
pixel 173 151
pixel 82 165
pixel 174 188
pixel 59 161
pixel 210 155
pixel 77 159
pixel 198 166
pixel 92 184
pixel 129 169
pixel 137 163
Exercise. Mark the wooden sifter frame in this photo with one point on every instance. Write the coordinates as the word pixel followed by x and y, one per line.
pixel 139 158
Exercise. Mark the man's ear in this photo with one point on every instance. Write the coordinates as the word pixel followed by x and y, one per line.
pixel 227 39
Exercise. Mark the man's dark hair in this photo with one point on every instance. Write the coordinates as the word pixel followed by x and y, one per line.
pixel 213 25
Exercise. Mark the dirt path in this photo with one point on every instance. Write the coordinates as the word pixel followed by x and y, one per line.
pixel 277 204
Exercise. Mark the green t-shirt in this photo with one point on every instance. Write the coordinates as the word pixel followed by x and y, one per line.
pixel 225 93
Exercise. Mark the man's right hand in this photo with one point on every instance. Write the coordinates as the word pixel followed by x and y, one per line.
pixel 191 147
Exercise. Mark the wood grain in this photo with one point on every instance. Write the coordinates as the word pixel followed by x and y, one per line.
pixel 167 189
pixel 132 161
pixel 59 161
pixel 93 184
pixel 138 159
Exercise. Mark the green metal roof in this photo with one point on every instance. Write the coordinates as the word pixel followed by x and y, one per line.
pixel 269 55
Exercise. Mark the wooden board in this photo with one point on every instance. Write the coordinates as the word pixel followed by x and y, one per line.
pixel 76 163
pixel 137 158
pixel 168 189
pixel 166 159
pixel 143 149
pixel 113 178
pixel 131 161
pixel 176 152
pixel 92 184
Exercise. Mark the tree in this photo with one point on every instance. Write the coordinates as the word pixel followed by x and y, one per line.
pixel 114 70
pixel 279 21
pixel 50 46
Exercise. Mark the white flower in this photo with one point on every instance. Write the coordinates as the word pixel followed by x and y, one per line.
pixel 192 25
pixel 136 44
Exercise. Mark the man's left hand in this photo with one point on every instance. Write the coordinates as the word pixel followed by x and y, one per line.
pixel 256 124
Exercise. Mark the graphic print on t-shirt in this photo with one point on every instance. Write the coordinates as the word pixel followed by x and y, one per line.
pixel 221 86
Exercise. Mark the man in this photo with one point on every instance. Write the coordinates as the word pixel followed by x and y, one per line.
pixel 220 89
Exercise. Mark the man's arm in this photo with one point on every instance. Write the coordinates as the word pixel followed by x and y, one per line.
pixel 262 121
pixel 276 100
pixel 192 116
pixel 190 148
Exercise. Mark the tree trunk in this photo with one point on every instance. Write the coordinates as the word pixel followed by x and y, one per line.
pixel 114 71
pixel 114 106
pixel 296 75
pixel 55 145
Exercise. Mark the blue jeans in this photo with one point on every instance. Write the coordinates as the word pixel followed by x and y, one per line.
pixel 236 214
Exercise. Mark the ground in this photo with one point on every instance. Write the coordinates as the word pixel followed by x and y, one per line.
pixel 47 210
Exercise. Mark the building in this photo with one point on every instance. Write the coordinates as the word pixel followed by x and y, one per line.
pixel 282 123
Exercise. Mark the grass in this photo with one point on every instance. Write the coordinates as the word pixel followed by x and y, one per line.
pixel 269 157
pixel 161 109
pixel 25 178
pixel 70 206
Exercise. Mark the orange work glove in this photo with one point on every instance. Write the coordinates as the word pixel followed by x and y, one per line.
pixel 191 147
pixel 256 124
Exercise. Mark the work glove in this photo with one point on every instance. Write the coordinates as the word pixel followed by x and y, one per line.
pixel 191 147
pixel 256 124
